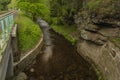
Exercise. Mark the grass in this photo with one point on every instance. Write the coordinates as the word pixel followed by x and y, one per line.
pixel 28 33
pixel 93 4
pixel 66 31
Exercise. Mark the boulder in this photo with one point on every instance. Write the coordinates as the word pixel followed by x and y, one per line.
pixel 93 37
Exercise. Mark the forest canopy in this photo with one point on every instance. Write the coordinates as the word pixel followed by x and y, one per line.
pixel 3 4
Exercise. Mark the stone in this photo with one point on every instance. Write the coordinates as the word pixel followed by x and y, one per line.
pixel 91 27
pixel 21 76
pixel 41 78
pixel 31 78
pixel 93 37
pixel 102 57
pixel 109 32
pixel 32 70
pixel 99 27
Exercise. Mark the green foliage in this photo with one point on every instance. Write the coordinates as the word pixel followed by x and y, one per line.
pixel 54 20
pixel 65 10
pixel 1 7
pixel 13 4
pixel 92 4
pixel 28 33
pixel 66 32
pixel 103 6
pixel 34 7
pixel 31 1
pixel 3 4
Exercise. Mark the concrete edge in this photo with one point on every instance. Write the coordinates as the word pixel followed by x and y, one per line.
pixel 28 58
pixel 30 52
pixel 14 32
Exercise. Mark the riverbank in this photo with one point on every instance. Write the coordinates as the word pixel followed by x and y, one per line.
pixel 69 32
pixel 29 32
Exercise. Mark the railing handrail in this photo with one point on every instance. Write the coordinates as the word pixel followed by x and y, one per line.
pixel 7 13
pixel 6 22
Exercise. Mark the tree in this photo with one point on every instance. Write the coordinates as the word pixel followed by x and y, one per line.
pixel 65 10
pixel 13 4
pixel 3 4
pixel 33 7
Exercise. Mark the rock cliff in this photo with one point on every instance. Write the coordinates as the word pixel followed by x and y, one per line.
pixel 99 36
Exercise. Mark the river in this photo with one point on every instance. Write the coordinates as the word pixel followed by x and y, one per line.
pixel 58 59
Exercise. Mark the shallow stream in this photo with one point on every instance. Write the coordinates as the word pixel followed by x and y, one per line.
pixel 58 60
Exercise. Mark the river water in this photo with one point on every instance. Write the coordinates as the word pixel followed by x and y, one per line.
pixel 58 59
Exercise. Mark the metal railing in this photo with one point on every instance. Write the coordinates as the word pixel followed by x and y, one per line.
pixel 6 53
pixel 6 24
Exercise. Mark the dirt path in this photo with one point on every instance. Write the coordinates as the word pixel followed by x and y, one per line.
pixel 59 60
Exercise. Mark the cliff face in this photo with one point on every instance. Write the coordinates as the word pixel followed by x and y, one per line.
pixel 99 36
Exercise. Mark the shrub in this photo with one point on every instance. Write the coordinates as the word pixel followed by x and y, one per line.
pixel 28 33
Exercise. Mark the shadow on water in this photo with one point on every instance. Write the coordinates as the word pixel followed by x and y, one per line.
pixel 59 60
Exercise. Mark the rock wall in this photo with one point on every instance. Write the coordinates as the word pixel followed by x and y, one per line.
pixel 106 58
pixel 96 36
